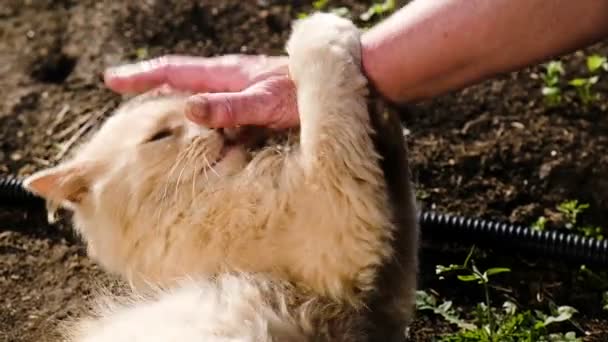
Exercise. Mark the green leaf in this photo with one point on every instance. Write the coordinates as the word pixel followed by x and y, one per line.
pixel 555 68
pixel 496 270
pixel 550 91
pixel 141 53
pixel 468 258
pixel 509 307
pixel 378 9
pixel 341 11
pixel 320 4
pixel 439 269
pixel 540 222
pixel 571 209
pixel 470 277
pixel 578 82
pixel 594 62
pixel 564 313
pixel 425 301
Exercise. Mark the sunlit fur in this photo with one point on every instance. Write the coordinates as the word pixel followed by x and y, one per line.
pixel 310 218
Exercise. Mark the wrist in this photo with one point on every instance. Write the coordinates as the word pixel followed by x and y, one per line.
pixel 375 69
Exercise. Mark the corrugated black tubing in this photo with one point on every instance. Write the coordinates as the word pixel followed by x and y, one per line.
pixel 13 194
pixel 556 244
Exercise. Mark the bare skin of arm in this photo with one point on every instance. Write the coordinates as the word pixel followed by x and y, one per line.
pixel 423 50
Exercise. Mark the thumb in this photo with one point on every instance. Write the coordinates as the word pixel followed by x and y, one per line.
pixel 270 103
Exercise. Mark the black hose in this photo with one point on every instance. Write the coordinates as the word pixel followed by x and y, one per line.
pixel 556 244
pixel 13 194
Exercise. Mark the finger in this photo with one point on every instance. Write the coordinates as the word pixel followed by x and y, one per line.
pixel 270 103
pixel 194 74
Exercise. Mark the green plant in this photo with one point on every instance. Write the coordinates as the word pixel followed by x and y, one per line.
pixel 571 210
pixel 341 11
pixel 584 85
pixel 591 231
pixel 551 89
pixel 595 62
pixel 141 53
pixel 583 88
pixel 472 273
pixel 427 301
pixel 321 5
pixel 540 223
pixel 378 10
pixel 490 324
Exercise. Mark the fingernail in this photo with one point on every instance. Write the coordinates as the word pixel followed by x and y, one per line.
pixel 197 109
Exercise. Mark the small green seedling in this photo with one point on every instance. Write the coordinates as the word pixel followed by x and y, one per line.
pixel 551 90
pixel 341 11
pixel 427 301
pixel 472 273
pixel 141 53
pixel 491 324
pixel 320 4
pixel 592 231
pixel 583 88
pixel 571 210
pixel 378 10
pixel 584 85
pixel 595 63
pixel 540 223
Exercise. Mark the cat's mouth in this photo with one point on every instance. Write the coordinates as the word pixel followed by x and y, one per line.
pixel 233 140
pixel 238 141
pixel 248 137
pixel 223 153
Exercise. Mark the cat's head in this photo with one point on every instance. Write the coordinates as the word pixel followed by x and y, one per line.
pixel 146 152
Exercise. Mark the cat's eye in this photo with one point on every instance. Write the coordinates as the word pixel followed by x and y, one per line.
pixel 165 133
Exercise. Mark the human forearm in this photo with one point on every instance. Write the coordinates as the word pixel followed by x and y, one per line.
pixel 432 47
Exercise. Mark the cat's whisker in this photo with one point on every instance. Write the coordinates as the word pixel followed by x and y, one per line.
pixel 179 180
pixel 210 166
pixel 163 201
pixel 186 160
pixel 194 175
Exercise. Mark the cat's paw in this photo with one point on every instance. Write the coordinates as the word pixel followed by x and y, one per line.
pixel 323 42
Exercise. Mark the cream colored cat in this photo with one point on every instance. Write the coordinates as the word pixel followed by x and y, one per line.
pixel 285 244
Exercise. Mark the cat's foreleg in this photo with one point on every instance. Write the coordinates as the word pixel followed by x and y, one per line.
pixel 342 206
pixel 325 64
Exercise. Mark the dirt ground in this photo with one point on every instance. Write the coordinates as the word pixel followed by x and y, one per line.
pixel 493 150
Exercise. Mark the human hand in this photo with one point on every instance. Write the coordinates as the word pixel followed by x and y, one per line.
pixel 231 90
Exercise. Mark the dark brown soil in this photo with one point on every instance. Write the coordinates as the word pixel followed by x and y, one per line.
pixel 493 150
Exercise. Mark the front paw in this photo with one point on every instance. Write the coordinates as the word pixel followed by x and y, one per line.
pixel 325 43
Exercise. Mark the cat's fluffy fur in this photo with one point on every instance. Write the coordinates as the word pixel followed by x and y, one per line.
pixel 285 245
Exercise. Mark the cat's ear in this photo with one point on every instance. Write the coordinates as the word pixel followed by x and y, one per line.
pixel 66 183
